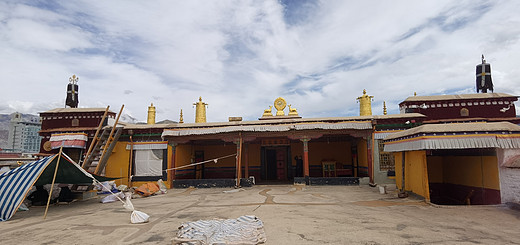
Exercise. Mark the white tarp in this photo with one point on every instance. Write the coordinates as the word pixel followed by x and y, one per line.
pixel 247 229
pixel 148 163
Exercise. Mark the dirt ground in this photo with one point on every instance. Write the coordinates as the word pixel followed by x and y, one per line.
pixel 291 215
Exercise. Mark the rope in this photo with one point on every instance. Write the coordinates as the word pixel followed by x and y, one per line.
pixel 198 163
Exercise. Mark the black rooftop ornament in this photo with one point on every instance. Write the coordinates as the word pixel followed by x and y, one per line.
pixel 72 92
pixel 483 73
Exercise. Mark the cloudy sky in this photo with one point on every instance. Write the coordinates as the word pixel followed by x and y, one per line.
pixel 241 55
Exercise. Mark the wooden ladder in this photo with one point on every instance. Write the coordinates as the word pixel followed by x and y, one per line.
pixel 100 148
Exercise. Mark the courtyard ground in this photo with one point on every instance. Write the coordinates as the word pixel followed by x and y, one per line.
pixel 291 214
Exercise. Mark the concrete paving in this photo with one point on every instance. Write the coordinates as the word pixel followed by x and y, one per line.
pixel 291 215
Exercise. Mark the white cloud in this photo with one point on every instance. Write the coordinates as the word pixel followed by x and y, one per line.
pixel 241 55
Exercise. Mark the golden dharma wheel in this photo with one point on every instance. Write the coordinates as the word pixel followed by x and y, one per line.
pixel 280 104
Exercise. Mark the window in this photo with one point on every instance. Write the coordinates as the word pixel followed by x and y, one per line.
pixel 464 112
pixel 149 165
pixel 386 159
pixel 75 122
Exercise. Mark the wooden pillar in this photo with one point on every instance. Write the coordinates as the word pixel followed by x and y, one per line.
pixel 246 161
pixel 239 160
pixel 369 160
pixel 305 157
pixel 172 172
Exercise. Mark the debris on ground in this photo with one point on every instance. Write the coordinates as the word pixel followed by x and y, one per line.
pixel 247 229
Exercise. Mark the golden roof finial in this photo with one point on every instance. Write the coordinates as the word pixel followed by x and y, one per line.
pixel 280 104
pixel 414 93
pixel 268 112
pixel 181 119
pixel 384 107
pixel 365 104
pixel 151 114
pixel 200 111
pixel 292 111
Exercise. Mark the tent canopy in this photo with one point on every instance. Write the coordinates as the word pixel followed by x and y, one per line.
pixel 68 173
pixel 15 184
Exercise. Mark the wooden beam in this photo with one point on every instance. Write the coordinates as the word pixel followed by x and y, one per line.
pixel 52 185
pixel 109 139
pixel 239 160
pixel 95 136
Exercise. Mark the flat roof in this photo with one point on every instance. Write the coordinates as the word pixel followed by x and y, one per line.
pixel 458 97
pixel 272 121
pixel 457 127
pixel 70 110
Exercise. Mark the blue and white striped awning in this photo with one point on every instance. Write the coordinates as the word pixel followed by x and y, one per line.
pixel 15 184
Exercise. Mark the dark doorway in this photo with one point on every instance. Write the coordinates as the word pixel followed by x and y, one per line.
pixel 275 163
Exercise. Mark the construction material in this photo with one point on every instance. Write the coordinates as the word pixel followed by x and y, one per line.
pixel 247 229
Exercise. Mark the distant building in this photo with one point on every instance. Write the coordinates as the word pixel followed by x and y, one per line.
pixel 72 128
pixel 23 135
pixel 496 106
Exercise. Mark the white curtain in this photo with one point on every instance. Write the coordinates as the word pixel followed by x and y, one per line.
pixel 148 162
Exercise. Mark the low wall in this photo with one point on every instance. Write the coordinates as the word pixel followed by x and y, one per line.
pixel 209 183
pixel 510 184
pixel 327 180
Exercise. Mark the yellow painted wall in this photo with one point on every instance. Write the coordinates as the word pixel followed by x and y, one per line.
pixel 182 155
pixel 467 170
pixel 118 163
pixel 253 155
pixel 215 151
pixel 362 153
pixel 337 151
pixel 416 175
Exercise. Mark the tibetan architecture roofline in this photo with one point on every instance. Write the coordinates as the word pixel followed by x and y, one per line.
pixel 459 97
pixel 72 110
pixel 271 122
pixel 455 136
pixel 65 130
pixel 356 125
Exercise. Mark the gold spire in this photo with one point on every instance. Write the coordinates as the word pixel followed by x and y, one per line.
pixel 414 93
pixel 384 108
pixel 181 119
pixel 151 114
pixel 200 111
pixel 365 104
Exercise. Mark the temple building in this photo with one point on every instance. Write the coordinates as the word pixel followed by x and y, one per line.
pixel 449 149
pixel 280 147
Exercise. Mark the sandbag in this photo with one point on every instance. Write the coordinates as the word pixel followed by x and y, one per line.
pixel 112 198
pixel 139 217
pixel 147 189
pixel 162 186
